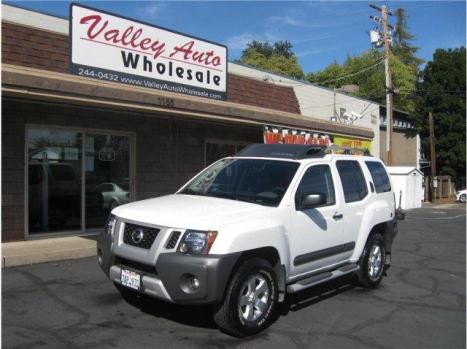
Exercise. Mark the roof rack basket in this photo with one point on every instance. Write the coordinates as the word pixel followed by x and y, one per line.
pixel 297 151
pixel 335 149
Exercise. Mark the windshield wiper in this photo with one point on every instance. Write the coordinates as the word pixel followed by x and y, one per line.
pixel 222 195
pixel 192 192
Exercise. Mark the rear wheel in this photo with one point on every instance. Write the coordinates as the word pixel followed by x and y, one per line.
pixel 372 261
pixel 250 301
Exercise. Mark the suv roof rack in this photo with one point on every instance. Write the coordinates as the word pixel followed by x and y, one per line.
pixel 297 151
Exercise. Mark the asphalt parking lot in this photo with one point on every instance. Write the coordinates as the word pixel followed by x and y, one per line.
pixel 421 304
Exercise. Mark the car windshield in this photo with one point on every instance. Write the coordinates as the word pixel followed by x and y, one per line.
pixel 262 182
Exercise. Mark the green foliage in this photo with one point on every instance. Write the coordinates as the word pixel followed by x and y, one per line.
pixel 278 58
pixel 402 38
pixel 442 91
pixel 372 82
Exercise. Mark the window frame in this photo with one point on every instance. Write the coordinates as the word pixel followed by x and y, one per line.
pixel 364 180
pixel 299 181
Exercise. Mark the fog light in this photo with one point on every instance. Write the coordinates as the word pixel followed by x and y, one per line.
pixel 189 283
pixel 194 283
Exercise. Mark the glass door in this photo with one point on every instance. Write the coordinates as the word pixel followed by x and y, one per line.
pixel 54 180
pixel 107 173
pixel 75 179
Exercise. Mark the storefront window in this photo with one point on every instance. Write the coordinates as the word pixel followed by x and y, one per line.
pixel 216 150
pixel 107 174
pixel 56 167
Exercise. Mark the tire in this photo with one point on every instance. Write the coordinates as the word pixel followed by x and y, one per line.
pixel 250 300
pixel 372 262
pixel 462 198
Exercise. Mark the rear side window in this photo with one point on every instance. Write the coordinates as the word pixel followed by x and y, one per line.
pixel 353 180
pixel 379 175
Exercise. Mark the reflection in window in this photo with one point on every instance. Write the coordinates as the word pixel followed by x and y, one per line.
pixel 55 184
pixel 54 167
pixel 317 180
pixel 107 170
pixel 353 181
pixel 218 150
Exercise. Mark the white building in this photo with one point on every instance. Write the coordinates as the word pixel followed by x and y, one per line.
pixel 323 103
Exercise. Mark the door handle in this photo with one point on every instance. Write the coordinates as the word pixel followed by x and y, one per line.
pixel 338 216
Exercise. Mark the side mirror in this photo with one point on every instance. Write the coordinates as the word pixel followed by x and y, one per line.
pixel 311 200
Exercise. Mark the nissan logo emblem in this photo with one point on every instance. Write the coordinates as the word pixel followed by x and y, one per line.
pixel 137 236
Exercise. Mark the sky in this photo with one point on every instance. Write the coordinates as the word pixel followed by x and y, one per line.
pixel 320 31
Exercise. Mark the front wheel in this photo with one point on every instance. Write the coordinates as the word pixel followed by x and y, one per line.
pixel 372 261
pixel 463 198
pixel 250 301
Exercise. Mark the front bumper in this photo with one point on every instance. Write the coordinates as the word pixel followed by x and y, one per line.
pixel 167 279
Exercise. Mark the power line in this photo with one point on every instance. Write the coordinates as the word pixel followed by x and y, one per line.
pixel 346 101
pixel 352 74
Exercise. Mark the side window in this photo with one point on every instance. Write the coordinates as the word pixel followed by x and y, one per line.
pixel 379 176
pixel 353 180
pixel 317 180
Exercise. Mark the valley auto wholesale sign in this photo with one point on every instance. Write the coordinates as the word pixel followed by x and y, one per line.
pixel 108 47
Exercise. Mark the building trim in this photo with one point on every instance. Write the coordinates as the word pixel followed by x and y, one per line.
pixel 42 84
pixel 34 19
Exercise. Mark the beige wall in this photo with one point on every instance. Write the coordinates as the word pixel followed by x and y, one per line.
pixel 405 147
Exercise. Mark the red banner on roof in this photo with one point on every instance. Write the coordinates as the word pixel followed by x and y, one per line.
pixel 272 135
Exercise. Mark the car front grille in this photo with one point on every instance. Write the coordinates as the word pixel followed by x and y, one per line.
pixel 173 240
pixel 137 266
pixel 139 236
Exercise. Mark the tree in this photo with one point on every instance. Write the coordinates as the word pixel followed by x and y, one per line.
pixel 401 46
pixel 442 91
pixel 278 58
pixel 371 81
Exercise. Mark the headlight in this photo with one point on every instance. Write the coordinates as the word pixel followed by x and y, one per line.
pixel 197 242
pixel 110 225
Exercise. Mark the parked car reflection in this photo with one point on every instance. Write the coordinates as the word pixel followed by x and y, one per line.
pixel 113 194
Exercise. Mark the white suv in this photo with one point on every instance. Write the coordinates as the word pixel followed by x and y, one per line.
pixel 249 229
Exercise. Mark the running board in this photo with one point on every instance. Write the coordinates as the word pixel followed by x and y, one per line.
pixel 323 277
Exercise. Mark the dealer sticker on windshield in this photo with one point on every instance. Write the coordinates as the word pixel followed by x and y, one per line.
pixel 130 279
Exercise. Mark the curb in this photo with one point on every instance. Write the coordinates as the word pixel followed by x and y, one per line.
pixel 46 250
pixel 54 256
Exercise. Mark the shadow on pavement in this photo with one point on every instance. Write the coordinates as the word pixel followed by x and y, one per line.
pixel 191 315
pixel 200 316
pixel 319 293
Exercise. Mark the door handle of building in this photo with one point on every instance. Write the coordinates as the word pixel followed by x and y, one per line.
pixel 338 216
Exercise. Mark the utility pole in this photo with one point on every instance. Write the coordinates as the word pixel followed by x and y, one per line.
pixel 388 73
pixel 432 156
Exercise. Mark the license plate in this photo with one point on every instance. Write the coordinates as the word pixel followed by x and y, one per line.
pixel 130 279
